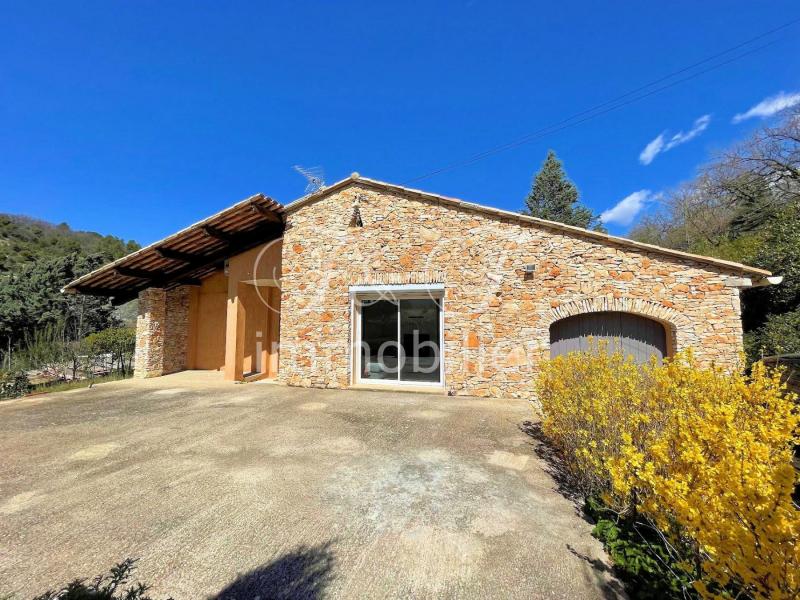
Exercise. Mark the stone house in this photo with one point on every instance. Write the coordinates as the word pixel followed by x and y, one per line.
pixel 366 283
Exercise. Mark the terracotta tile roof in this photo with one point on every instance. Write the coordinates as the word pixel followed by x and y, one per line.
pixel 188 255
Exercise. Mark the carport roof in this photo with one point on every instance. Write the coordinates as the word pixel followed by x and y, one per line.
pixel 188 255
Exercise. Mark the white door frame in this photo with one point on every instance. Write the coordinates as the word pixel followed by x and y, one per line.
pixel 433 291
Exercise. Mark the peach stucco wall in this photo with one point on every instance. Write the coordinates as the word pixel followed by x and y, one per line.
pixel 226 313
pixel 251 278
pixel 207 323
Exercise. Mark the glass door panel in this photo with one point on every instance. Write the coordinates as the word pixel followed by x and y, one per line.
pixel 379 348
pixel 419 341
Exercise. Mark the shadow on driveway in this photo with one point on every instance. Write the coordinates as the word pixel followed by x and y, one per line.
pixel 303 574
pixel 554 466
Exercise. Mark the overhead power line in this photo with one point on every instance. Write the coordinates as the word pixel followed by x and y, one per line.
pixel 629 97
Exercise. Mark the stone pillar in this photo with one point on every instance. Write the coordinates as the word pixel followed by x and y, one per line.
pixel 162 332
pixel 149 357
pixel 176 330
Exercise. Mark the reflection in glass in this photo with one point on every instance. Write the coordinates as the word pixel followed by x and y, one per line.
pixel 379 349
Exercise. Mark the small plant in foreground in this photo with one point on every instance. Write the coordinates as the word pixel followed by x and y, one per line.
pixel 111 586
pixel 13 384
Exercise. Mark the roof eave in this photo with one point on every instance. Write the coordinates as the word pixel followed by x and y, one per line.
pixel 71 287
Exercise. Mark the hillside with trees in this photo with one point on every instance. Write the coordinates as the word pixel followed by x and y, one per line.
pixel 745 206
pixel 36 260
pixel 25 241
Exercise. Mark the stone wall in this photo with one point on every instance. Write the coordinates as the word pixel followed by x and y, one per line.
pixel 149 356
pixel 496 317
pixel 162 331
pixel 176 329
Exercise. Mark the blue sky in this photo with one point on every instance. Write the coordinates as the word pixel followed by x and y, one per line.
pixel 138 118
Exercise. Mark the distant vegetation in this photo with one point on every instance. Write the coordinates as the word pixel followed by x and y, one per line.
pixel 745 206
pixel 36 260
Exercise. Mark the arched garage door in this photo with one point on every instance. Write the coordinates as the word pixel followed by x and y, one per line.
pixel 632 334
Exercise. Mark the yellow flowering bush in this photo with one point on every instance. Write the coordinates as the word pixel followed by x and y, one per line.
pixel 700 455
pixel 590 404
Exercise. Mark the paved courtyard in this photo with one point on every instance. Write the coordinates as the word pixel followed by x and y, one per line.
pixel 260 491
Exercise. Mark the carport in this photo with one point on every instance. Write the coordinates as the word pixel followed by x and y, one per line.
pixel 208 295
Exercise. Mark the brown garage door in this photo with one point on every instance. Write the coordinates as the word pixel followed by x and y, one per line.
pixel 634 335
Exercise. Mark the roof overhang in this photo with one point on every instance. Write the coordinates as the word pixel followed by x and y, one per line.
pixel 197 251
pixel 184 258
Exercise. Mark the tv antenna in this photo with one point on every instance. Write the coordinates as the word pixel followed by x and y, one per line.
pixel 315 177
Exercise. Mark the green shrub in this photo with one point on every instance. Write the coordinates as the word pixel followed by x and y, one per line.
pixel 640 558
pixel 119 342
pixel 779 335
pixel 103 587
pixel 13 384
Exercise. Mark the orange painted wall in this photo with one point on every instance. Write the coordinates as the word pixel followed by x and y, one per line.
pixel 256 321
pixel 207 323
pixel 227 311
pixel 249 311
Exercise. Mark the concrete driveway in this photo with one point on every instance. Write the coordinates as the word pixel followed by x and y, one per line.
pixel 262 491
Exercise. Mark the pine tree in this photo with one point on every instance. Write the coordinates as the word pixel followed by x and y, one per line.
pixel 555 198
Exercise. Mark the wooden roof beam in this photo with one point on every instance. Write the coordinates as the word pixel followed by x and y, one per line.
pixel 98 291
pixel 138 273
pixel 223 236
pixel 190 282
pixel 265 212
pixel 240 243
pixel 178 255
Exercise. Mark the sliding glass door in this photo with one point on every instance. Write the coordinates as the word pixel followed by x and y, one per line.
pixel 399 340
pixel 380 352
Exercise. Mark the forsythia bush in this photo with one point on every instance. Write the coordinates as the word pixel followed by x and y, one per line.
pixel 700 456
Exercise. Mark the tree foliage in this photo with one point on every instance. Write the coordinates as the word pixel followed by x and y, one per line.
pixel 555 198
pixel 744 206
pixel 117 342
pixel 36 260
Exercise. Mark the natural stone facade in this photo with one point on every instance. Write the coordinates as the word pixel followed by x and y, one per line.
pixel 149 357
pixel 162 329
pixel 497 317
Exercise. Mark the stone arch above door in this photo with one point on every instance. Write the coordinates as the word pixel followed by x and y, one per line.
pixel 677 325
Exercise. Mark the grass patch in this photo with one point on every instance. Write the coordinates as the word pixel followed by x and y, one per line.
pixel 64 386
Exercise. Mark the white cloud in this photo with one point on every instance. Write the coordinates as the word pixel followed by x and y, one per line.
pixel 770 106
pixel 651 150
pixel 661 144
pixel 625 211
pixel 679 138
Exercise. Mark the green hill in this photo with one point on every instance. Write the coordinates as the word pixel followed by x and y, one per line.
pixel 36 260
pixel 25 241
